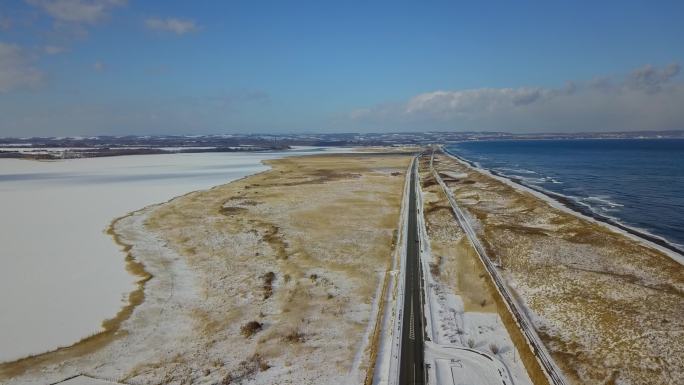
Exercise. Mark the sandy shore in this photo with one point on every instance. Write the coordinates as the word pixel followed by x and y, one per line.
pixel 267 278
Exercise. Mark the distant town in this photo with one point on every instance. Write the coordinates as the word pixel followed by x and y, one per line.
pixel 99 146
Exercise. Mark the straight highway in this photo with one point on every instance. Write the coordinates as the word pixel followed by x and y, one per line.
pixel 411 369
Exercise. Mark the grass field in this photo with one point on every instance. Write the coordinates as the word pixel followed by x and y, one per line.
pixel 270 277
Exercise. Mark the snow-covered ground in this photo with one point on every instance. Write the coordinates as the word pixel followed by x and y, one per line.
pixel 463 347
pixel 389 345
pixel 61 274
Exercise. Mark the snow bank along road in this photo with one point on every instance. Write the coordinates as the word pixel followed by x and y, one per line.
pixel 552 371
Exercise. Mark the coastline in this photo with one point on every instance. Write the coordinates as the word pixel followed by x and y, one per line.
pixel 110 326
pixel 568 205
pixel 168 311
pixel 600 299
pixel 160 185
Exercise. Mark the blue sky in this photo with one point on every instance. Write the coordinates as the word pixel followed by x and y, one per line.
pixel 83 67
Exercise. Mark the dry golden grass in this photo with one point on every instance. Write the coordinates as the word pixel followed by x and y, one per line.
pixel 301 249
pixel 459 266
pixel 610 308
pixel 377 329
pixel 385 149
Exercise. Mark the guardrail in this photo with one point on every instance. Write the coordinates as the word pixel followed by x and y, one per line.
pixel 552 372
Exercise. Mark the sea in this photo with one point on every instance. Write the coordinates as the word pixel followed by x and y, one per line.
pixel 634 183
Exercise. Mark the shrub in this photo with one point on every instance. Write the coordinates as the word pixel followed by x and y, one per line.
pixel 268 284
pixel 246 369
pixel 435 267
pixel 295 337
pixel 251 328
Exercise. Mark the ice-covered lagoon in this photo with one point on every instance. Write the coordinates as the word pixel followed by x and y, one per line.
pixel 61 274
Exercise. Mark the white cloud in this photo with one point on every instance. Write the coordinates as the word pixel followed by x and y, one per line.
pixel 466 101
pixel 177 26
pixel 77 11
pixel 650 79
pixel 15 70
pixel 647 98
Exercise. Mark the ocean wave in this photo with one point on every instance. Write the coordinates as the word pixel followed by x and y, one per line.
pixel 603 200
pixel 518 170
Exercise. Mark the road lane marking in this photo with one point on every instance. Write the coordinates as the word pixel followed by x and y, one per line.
pixel 412 331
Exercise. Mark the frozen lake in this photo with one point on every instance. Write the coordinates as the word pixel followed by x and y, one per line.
pixel 61 275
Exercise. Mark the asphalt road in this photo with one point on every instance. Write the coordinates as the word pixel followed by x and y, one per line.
pixel 412 366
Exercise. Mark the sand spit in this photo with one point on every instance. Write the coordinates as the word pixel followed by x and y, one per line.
pixel 608 307
pixel 269 279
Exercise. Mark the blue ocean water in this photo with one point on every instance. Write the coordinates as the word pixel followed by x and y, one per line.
pixel 636 182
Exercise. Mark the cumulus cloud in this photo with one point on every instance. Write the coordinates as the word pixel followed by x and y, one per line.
pixel 77 11
pixel 177 26
pixel 650 79
pixel 647 98
pixel 466 101
pixel 15 70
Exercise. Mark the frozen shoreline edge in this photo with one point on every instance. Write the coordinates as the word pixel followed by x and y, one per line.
pixel 135 298
pixel 110 326
pixel 565 204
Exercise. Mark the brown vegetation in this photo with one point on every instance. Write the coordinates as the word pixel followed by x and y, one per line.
pixel 318 223
pixel 268 284
pixel 251 328
pixel 330 217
